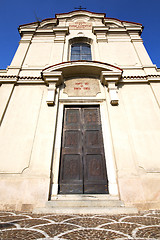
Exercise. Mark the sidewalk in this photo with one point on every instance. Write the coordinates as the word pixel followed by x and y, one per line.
pixel 18 225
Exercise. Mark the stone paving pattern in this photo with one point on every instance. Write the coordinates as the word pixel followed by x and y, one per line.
pixel 18 225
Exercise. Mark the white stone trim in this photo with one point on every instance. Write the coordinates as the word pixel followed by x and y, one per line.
pixel 57 151
pixel 109 156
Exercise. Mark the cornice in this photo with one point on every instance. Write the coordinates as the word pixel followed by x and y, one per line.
pixel 97 29
pixel 37 30
pixel 55 29
pixel 106 20
pixel 122 26
pixel 49 72
pixel 23 79
pixel 8 79
pixel 28 28
pixel 144 76
pixel 141 79
pixel 47 21
pixel 61 29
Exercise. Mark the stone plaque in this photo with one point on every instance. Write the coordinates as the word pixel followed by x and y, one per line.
pixel 82 87
pixel 80 25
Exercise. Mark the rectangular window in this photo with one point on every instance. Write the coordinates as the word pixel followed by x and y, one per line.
pixel 81 51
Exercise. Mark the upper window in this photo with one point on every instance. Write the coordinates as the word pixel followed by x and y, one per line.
pixel 80 51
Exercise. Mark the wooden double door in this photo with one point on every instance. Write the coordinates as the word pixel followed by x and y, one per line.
pixel 82 166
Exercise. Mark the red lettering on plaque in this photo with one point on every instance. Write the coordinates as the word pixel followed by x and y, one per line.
pixel 81 86
pixel 86 88
pixel 76 88
pixel 78 83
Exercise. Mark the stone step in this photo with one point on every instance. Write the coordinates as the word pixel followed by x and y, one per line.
pixel 84 203
pixel 86 210
pixel 84 200
pixel 84 196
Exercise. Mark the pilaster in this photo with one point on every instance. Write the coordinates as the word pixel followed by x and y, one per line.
pixel 21 54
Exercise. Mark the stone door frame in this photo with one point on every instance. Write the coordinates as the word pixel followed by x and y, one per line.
pixel 108 149
pixel 108 76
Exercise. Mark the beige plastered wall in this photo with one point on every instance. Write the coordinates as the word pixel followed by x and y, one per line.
pixel 26 145
pixel 37 51
pixel 136 132
pixel 27 139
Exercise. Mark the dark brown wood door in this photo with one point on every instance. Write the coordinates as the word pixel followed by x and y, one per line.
pixel 82 168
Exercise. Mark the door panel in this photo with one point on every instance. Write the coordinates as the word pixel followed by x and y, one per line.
pixel 71 175
pixel 71 167
pixel 94 167
pixel 95 177
pixel 83 168
pixel 93 138
pixel 72 118
pixel 71 138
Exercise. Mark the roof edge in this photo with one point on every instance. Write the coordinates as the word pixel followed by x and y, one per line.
pixel 78 11
pixel 121 20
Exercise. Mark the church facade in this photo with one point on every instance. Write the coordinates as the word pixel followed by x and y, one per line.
pixel 79 115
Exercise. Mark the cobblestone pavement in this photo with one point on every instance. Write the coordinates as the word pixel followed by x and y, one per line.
pixel 18 225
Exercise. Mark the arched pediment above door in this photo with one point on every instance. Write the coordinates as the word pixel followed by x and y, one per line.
pixel 54 75
pixel 80 68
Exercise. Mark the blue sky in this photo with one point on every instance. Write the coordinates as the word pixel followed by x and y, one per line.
pixel 17 12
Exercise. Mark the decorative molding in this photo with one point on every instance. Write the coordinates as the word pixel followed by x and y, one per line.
pixel 101 33
pixel 110 76
pixel 30 77
pixel 30 30
pixel 17 79
pixel 32 80
pixel 110 79
pixel 52 79
pixel 144 77
pixel 134 29
pixel 60 34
